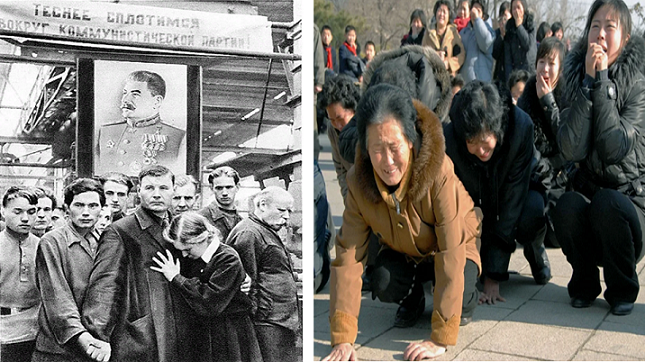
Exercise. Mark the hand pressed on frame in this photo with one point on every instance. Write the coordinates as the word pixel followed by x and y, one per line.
pixel 491 292
pixel 94 348
pixel 417 351
pixel 166 265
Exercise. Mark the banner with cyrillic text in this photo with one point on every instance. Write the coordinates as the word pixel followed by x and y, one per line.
pixel 123 24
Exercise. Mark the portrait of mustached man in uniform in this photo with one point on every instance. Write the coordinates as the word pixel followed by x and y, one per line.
pixel 141 138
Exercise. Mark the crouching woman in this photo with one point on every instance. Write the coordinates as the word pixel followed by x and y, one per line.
pixel 403 189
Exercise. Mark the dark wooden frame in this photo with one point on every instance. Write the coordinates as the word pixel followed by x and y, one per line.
pixel 86 121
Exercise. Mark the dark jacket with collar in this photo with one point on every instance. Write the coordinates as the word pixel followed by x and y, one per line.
pixel 409 40
pixel 545 113
pixel 140 315
pixel 219 219
pixel 519 46
pixel 64 262
pixel 349 64
pixel 267 261
pixel 499 186
pixel 604 126
pixel 434 89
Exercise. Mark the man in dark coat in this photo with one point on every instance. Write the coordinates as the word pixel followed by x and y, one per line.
pixel 493 157
pixel 273 289
pixel 141 317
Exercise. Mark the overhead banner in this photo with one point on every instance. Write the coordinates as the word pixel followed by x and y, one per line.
pixel 122 24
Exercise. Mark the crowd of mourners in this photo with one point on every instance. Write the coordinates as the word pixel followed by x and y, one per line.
pixel 89 277
pixel 473 137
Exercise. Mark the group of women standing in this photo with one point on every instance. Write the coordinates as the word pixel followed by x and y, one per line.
pixel 570 157
pixel 469 46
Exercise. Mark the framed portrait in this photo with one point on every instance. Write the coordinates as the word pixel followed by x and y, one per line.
pixel 135 114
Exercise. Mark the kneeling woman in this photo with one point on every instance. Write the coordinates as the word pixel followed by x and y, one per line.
pixel 214 292
pixel 403 189
pixel 603 221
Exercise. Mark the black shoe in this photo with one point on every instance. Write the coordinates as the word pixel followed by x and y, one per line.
pixel 465 321
pixel 539 263
pixel 408 317
pixel 581 303
pixel 622 308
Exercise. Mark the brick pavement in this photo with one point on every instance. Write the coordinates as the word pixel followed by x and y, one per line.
pixel 535 323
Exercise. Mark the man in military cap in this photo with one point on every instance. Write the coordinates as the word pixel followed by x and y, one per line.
pixel 141 139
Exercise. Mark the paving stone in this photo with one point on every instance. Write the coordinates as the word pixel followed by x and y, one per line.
pixel 370 324
pixel 520 339
pixel 585 355
pixel 554 291
pixel 636 319
pixel 517 290
pixel 322 347
pixel 321 304
pixel 475 355
pixel 557 314
pixel 620 339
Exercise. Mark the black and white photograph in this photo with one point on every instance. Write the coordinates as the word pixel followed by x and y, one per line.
pixel 140 113
pixel 152 182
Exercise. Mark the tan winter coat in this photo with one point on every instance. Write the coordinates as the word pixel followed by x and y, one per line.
pixel 450 40
pixel 437 220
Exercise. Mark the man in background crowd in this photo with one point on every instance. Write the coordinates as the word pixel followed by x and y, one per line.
pixel 46 204
pixel 116 186
pixel 19 299
pixel 186 194
pixel 222 212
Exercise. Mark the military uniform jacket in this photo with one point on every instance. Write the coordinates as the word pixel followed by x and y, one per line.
pixel 128 147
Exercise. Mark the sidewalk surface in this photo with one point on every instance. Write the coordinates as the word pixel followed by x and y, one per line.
pixel 535 323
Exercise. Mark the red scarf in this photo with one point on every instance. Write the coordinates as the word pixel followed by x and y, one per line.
pixel 330 63
pixel 461 23
pixel 350 47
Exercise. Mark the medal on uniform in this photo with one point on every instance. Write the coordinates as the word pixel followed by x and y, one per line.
pixel 110 144
pixel 151 146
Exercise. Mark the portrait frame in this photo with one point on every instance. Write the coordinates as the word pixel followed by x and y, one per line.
pixel 98 106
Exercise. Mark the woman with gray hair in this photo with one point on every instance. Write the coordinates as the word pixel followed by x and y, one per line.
pixel 403 189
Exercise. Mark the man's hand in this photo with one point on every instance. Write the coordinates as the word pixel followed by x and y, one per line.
pixel 490 295
pixel 426 349
pixel 166 265
pixel 94 348
pixel 246 285
pixel 342 352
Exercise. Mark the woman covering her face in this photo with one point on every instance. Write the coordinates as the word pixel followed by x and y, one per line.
pixel 602 221
pixel 542 101
pixel 404 190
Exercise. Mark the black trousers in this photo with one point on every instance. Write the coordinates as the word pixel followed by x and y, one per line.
pixel 531 230
pixel 605 231
pixel 397 280
pixel 17 352
pixel 277 344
